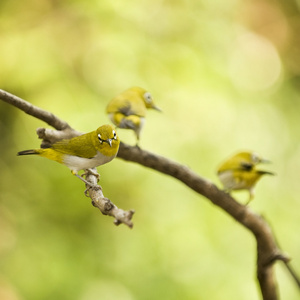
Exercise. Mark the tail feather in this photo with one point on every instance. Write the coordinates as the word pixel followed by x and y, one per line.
pixel 27 152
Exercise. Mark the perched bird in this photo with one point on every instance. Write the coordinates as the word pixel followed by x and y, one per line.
pixel 82 152
pixel 128 110
pixel 240 172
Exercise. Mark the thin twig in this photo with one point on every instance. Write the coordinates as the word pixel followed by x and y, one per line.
pixel 293 273
pixel 104 204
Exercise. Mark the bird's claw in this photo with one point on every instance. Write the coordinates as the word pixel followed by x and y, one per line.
pixel 91 172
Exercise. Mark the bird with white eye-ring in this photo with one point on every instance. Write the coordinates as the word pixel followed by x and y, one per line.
pixel 83 152
pixel 128 110
pixel 240 172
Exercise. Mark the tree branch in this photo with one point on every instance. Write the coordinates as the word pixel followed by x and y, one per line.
pixel 105 205
pixel 268 251
pixel 34 111
pixel 63 131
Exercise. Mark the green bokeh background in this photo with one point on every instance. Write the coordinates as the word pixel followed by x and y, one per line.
pixel 226 75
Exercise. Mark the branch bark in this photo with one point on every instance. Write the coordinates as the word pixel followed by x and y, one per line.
pixel 268 251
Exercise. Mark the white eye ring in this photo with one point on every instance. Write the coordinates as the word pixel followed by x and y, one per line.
pixel 148 98
pixel 255 158
pixel 115 135
pixel 99 138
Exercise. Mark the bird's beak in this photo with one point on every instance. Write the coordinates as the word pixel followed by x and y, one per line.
pixel 156 108
pixel 265 161
pixel 109 142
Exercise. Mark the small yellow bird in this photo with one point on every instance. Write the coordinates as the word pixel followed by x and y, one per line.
pixel 239 172
pixel 83 152
pixel 128 110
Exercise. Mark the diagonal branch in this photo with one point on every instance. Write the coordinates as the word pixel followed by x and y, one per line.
pixel 268 251
pixel 34 111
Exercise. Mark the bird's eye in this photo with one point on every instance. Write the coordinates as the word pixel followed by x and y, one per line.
pixel 99 138
pixel 115 135
pixel 148 97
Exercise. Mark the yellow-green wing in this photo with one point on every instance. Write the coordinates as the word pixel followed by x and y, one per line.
pixel 82 146
pixel 130 104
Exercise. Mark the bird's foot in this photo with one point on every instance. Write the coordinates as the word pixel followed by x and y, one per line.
pixel 89 185
pixel 85 181
pixel 91 172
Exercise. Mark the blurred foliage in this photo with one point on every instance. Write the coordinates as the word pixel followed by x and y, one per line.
pixel 225 73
